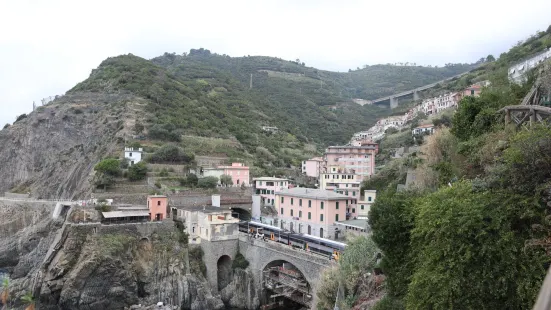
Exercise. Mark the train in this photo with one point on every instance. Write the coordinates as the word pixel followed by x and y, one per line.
pixel 329 248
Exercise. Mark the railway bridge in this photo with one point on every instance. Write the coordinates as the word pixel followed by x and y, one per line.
pixel 279 270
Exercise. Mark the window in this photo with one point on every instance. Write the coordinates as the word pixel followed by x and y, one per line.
pixel 337 205
pixel 130 155
pixel 291 212
pixel 353 193
pixel 346 193
pixel 336 217
pixel 281 199
pixel 472 93
pixel 280 183
pixel 300 202
pixel 260 183
pixel 321 217
pixel 309 215
pixel 309 203
pixel 322 205
pixel 346 185
pixel 369 198
pixel 159 203
pixel 353 210
pixel 336 176
pixel 362 207
pixel 291 201
pixel 299 213
pixel 281 211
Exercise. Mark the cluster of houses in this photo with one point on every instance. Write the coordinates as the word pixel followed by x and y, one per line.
pixel 430 106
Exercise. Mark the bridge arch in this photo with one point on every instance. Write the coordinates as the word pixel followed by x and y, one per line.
pixel 284 279
pixel 224 271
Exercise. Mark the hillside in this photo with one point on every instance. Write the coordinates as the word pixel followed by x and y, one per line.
pixel 201 102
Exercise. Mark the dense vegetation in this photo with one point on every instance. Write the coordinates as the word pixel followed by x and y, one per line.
pixel 472 233
pixel 204 103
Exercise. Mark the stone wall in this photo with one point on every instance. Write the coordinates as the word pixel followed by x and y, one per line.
pixel 213 251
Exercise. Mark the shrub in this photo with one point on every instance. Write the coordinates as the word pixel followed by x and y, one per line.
pixel 157 184
pixel 191 180
pixel 240 262
pixel 124 163
pixel 137 171
pixel 21 117
pixel 208 182
pixel 226 180
pixel 164 172
pixel 171 154
pixel 109 166
pixel 196 260
pixel 164 133
pixel 389 303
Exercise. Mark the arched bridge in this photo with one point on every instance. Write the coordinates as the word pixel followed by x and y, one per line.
pixel 266 260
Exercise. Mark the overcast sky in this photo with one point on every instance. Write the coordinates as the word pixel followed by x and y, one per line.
pixel 46 47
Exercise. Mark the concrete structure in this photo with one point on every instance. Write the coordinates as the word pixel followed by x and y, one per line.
pixel 423 129
pixel 312 167
pixel 357 227
pixel 362 102
pixel 364 204
pixel 158 206
pixel 256 211
pixel 517 72
pixel 208 223
pixel 270 129
pixel 311 211
pixel 267 186
pixel 133 155
pixel 212 172
pixel 238 172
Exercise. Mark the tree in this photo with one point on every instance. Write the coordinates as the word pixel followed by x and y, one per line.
pixel 549 29
pixel 171 154
pixel 137 172
pixel 208 182
pixel 490 58
pixel 191 180
pixel 110 166
pixel 6 126
pixel 21 117
pixel 226 180
pixel 5 291
pixel 29 300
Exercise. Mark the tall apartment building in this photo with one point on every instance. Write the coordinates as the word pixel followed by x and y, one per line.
pixel 311 211
pixel 344 170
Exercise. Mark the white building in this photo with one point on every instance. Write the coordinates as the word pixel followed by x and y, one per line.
pixel 518 71
pixel 422 129
pixel 133 155
pixel 208 223
pixel 365 202
pixel 266 187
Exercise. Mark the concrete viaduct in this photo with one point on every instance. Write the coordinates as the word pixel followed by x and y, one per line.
pixel 393 100
pixel 260 255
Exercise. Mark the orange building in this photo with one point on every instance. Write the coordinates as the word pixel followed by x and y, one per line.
pixel 157 205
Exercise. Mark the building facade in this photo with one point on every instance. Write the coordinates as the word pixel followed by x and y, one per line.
pixel 157 205
pixel 133 155
pixel 266 187
pixel 311 211
pixel 363 205
pixel 429 129
pixel 238 172
pixel 312 167
pixel 208 223
pixel 517 72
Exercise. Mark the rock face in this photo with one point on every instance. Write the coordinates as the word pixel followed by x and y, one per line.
pixel 52 152
pixel 241 292
pixel 94 266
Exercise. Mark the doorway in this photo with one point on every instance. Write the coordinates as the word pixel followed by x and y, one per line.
pixel 309 229
pixel 321 232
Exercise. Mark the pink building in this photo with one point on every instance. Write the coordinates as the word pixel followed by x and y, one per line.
pixel 312 167
pixel 266 187
pixel 311 211
pixel 157 206
pixel 238 172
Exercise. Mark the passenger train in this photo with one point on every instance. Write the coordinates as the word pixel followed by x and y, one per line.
pixel 330 248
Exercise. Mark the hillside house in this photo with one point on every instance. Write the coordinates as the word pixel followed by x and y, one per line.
pixel 133 155
pixel 311 167
pixel 208 223
pixel 158 207
pixel 238 172
pixel 423 129
pixel 267 186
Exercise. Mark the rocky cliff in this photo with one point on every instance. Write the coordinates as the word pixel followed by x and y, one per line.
pixel 92 266
pixel 52 152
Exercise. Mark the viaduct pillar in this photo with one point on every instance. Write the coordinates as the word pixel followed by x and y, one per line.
pixel 393 102
pixel 416 95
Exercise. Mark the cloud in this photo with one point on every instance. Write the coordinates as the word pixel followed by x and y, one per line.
pixel 46 47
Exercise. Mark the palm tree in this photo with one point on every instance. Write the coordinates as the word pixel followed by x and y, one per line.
pixel 4 295
pixel 29 300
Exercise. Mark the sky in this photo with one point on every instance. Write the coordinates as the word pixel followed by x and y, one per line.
pixel 47 47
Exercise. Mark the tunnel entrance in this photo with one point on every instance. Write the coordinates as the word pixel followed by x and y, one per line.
pixel 241 214
pixel 224 271
pixel 286 285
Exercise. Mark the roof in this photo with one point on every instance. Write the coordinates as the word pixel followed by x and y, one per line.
pixel 123 208
pixel 156 196
pixel 204 209
pixel 116 214
pixel 269 179
pixel 322 194
pixel 354 223
pixel 425 126
pixel 369 147
pixel 316 159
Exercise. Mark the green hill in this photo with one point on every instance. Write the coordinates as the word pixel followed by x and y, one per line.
pixel 208 95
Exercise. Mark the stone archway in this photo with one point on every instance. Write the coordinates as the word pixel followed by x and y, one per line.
pixel 224 271
pixel 283 279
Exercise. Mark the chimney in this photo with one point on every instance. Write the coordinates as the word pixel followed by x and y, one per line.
pixel 216 201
